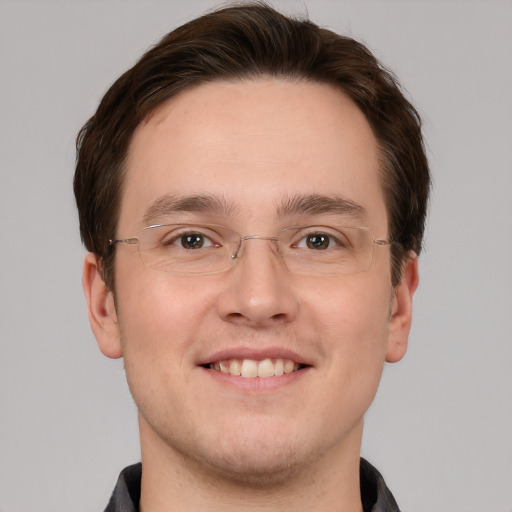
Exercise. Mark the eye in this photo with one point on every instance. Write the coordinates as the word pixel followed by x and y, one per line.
pixel 318 241
pixel 193 241
pixel 321 239
pixel 189 240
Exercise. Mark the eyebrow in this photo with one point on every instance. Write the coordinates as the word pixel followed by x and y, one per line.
pixel 319 204
pixel 202 203
pixel 310 204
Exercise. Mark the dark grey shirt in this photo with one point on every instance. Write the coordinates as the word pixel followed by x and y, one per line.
pixel 375 495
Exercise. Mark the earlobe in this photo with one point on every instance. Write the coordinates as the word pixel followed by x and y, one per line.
pixel 401 311
pixel 101 308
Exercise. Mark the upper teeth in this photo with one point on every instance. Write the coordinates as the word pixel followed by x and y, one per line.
pixel 250 368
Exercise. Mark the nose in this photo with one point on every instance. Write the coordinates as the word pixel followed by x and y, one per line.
pixel 259 290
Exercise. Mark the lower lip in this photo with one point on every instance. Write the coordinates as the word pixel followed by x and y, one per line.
pixel 256 384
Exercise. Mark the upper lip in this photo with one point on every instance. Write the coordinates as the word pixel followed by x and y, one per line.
pixel 257 354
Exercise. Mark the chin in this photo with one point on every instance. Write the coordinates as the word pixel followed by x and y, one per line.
pixel 248 450
pixel 258 466
pixel 258 456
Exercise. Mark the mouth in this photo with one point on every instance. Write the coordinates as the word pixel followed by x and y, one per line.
pixel 253 368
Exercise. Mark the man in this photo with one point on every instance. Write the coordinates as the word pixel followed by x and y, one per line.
pixel 253 195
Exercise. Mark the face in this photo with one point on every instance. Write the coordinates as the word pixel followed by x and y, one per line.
pixel 253 148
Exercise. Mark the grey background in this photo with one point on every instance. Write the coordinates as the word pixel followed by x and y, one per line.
pixel 441 427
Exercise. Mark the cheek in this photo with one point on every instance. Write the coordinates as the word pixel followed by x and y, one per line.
pixel 158 319
pixel 158 316
pixel 355 303
pixel 156 306
pixel 354 322
pixel 353 328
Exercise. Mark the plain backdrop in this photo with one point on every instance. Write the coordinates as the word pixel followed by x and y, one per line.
pixel 440 429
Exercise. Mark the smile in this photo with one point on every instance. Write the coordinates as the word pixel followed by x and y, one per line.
pixel 251 368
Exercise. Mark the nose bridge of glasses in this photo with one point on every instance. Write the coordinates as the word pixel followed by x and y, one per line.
pixel 236 254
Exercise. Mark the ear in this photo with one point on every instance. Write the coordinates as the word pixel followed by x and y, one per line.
pixel 101 308
pixel 401 311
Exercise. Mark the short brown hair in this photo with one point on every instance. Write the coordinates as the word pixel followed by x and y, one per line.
pixel 243 42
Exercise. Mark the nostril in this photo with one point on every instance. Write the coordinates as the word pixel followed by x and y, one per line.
pixel 235 315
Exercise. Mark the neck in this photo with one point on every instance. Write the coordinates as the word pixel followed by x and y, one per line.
pixel 173 482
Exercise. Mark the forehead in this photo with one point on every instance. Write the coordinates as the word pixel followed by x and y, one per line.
pixel 253 143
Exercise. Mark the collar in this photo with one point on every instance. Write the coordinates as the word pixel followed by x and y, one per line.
pixel 375 495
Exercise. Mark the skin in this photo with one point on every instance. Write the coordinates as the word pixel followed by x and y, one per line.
pixel 216 443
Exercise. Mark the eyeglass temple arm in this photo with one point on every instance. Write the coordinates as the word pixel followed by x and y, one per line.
pixel 125 241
